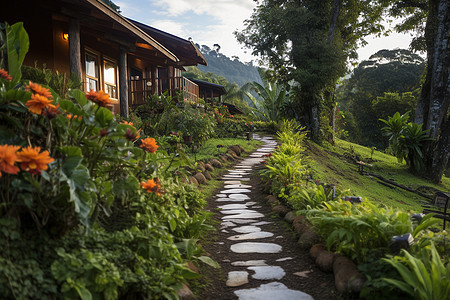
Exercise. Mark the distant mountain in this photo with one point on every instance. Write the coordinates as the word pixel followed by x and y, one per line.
pixel 230 68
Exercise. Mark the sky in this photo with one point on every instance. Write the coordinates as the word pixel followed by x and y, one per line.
pixel 210 22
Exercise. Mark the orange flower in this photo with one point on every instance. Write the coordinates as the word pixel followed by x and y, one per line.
pixel 4 74
pixel 69 116
pixel 152 186
pixel 33 160
pixel 101 98
pixel 8 158
pixel 149 145
pixel 38 89
pixel 38 103
pixel 128 123
pixel 52 111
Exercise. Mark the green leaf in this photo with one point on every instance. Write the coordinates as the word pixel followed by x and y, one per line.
pixel 104 116
pixel 79 96
pixel 172 224
pixel 17 44
pixel 209 261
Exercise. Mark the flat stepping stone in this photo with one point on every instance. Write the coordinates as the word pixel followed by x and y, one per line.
pixel 226 179
pixel 249 263
pixel 235 191
pixel 233 206
pixel 247 229
pixel 266 149
pixel 252 247
pixel 227 224
pixel 241 221
pixel 237 172
pixel 232 182
pixel 250 203
pixel 220 195
pixel 251 236
pixel 267 272
pixel 237 186
pixel 303 274
pixel 271 291
pixel 237 211
pixel 230 200
pixel 261 223
pixel 232 176
pixel 244 216
pixel 283 259
pixel 239 196
pixel 237 278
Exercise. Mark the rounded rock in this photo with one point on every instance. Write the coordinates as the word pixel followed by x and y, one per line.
pixel 290 216
pixel 215 163
pixel 209 167
pixel 201 179
pixel 207 175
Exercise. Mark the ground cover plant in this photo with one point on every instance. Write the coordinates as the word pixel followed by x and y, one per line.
pixel 364 231
pixel 90 207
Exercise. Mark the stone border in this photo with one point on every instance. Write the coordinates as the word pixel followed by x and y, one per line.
pixel 347 277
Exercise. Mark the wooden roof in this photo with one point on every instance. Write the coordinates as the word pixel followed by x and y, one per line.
pixel 204 85
pixel 185 50
pixel 101 18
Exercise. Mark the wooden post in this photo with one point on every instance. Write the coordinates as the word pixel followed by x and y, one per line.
pixel 123 82
pixel 212 97
pixel 75 47
pixel 155 80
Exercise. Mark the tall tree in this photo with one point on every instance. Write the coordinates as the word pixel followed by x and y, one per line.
pixel 310 41
pixel 433 106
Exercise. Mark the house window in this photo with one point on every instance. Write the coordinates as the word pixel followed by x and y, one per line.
pixel 110 79
pixel 92 77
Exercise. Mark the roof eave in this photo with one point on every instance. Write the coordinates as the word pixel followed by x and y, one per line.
pixel 133 28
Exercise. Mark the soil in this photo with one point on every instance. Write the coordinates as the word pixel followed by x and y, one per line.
pixel 318 284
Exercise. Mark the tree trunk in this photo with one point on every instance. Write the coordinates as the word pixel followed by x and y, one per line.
pixel 435 95
pixel 335 14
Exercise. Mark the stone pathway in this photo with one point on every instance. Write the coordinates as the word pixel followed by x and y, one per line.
pixel 242 221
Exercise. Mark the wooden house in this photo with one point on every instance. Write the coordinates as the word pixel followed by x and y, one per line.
pixel 107 51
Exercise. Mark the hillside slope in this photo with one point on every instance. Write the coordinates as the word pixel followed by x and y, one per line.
pixel 337 165
pixel 230 68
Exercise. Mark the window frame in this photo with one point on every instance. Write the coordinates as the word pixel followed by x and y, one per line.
pixel 106 59
pixel 98 79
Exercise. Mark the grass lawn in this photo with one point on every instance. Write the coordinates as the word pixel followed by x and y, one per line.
pixel 335 165
pixel 209 149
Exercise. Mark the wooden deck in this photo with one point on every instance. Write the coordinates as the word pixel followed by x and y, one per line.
pixel 140 89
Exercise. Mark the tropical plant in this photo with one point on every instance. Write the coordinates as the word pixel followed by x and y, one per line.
pixel 412 139
pixel 424 275
pixel 271 98
pixel 393 129
pixel 406 139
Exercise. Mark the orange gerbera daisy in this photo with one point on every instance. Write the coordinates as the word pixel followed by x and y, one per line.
pixel 4 74
pixel 38 103
pixel 38 89
pixel 101 98
pixel 149 145
pixel 152 186
pixel 8 158
pixel 33 160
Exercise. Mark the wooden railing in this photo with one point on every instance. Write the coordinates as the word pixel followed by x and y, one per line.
pixel 140 89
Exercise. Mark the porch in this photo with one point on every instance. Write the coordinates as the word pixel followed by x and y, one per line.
pixel 141 88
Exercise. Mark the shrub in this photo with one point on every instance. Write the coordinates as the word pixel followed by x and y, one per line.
pixel 424 276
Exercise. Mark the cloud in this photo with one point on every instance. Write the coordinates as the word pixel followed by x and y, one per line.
pixel 170 26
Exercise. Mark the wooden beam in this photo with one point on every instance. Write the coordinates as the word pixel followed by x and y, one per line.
pixel 75 48
pixel 123 82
